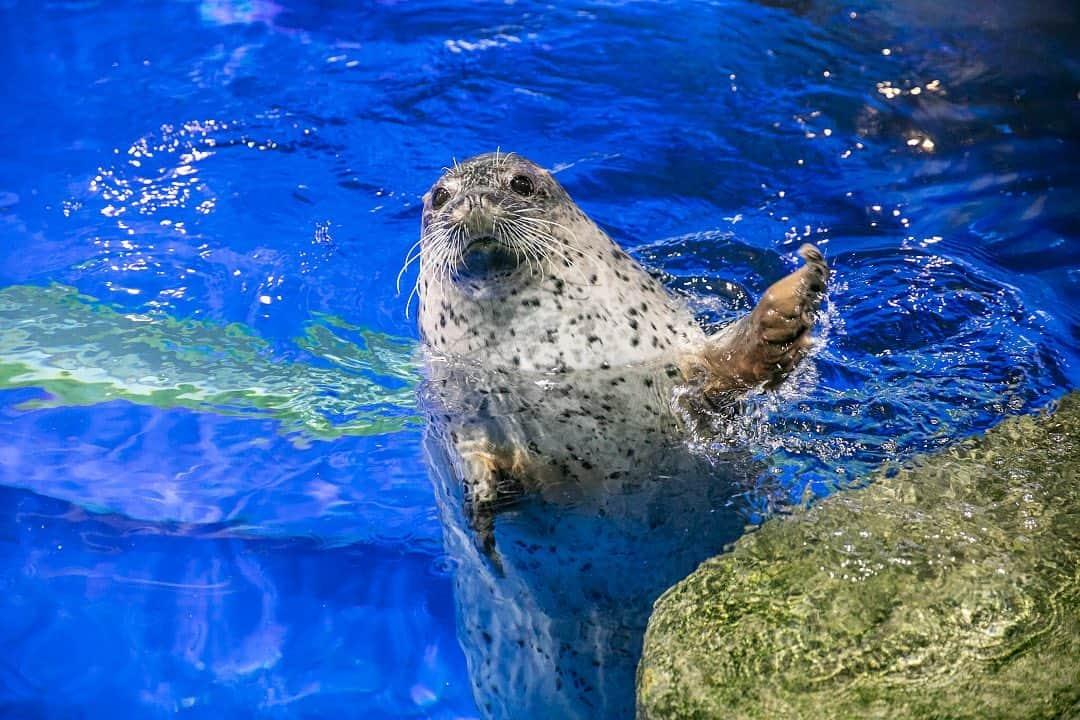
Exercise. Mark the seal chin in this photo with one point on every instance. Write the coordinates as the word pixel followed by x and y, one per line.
pixel 486 257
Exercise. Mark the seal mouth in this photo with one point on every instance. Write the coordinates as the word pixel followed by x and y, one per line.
pixel 486 256
pixel 481 243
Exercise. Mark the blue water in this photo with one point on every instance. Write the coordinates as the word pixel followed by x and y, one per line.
pixel 213 499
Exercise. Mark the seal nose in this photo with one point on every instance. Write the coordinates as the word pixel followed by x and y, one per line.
pixel 476 211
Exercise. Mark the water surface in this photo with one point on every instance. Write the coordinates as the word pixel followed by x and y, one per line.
pixel 214 495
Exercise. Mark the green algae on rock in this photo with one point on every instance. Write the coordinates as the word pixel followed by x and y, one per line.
pixel 948 590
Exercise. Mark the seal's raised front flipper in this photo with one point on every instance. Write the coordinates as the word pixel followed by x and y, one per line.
pixel 766 345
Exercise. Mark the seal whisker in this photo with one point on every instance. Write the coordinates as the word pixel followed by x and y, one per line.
pixel 539 223
pixel 546 245
pixel 409 260
pixel 414 293
pixel 534 219
pixel 526 245
pixel 413 254
pixel 504 236
pixel 509 235
pixel 458 246
pixel 534 245
pixel 402 272
pixel 549 240
pixel 432 258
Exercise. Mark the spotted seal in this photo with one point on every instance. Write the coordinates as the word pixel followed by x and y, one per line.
pixel 563 381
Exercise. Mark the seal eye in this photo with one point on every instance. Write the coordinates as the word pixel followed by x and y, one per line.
pixel 522 185
pixel 439 197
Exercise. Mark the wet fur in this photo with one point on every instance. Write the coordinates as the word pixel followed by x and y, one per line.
pixel 561 391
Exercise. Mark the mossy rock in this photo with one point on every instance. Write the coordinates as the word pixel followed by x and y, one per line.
pixel 949 589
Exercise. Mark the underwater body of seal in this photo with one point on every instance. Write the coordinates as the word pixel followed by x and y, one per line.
pixel 216 499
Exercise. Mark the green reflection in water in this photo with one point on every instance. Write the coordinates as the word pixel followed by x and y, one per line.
pixel 83 352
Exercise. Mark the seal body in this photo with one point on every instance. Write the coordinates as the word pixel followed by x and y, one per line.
pixel 562 383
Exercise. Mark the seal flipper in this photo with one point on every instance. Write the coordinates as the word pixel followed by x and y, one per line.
pixel 765 346
pixel 493 481
pixel 482 521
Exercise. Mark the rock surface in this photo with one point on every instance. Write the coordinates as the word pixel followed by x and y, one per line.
pixel 949 590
